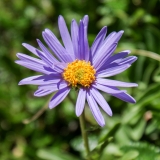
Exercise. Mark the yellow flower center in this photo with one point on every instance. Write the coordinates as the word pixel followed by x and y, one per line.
pixel 79 72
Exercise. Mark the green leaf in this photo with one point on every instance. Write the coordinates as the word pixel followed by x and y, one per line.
pixel 136 132
pixel 97 151
pixel 54 155
pixel 110 133
pixel 149 95
pixel 146 151
pixel 131 155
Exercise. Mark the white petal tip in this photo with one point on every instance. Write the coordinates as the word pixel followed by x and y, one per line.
pixel 105 27
pixel 60 16
pixel 24 44
pixel 127 51
pixel 135 85
pixel 20 83
pixel 121 31
pixel 50 107
pixel 17 61
pixel 38 41
pixel 110 114
pixel 134 101
pixel 77 114
pixel 102 124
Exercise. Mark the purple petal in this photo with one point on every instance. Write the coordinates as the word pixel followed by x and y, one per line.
pixel 98 40
pixel 106 89
pixel 35 66
pixel 81 41
pixel 109 82
pixel 112 71
pixel 105 51
pixel 47 89
pixel 56 47
pixel 102 61
pixel 101 101
pixel 46 59
pixel 59 67
pixel 95 110
pixel 85 21
pixel 46 52
pixel 119 56
pixel 59 97
pixel 128 60
pixel 65 35
pixel 41 79
pixel 59 85
pixel 124 96
pixel 74 34
pixel 80 101
pixel 30 48
pixel 86 45
pixel 30 59
pixel 43 92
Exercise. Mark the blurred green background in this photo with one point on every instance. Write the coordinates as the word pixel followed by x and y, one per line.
pixel 55 134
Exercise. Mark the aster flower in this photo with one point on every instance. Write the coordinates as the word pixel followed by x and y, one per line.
pixel 77 65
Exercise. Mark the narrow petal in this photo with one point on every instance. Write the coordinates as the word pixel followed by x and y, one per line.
pixel 65 35
pixel 111 35
pixel 27 58
pixel 47 89
pixel 80 101
pixel 59 85
pixel 101 101
pixel 115 83
pixel 30 48
pixel 59 97
pixel 112 71
pixel 86 45
pixel 56 47
pixel 43 92
pixel 59 67
pixel 41 79
pixel 98 40
pixel 105 51
pixel 102 61
pixel 106 89
pixel 117 57
pixel 85 21
pixel 124 96
pixel 128 60
pixel 81 41
pixel 95 110
pixel 47 53
pixel 34 66
pixel 75 37
pixel 46 59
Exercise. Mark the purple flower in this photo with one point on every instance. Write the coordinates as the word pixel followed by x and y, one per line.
pixel 77 65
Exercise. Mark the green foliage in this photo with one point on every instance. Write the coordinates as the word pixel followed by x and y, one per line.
pixel 141 151
pixel 132 133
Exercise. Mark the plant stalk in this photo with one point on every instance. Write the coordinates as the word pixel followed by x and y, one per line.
pixel 84 134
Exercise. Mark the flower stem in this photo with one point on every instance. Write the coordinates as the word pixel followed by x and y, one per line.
pixel 84 133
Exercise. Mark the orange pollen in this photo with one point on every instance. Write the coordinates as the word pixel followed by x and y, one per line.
pixel 79 72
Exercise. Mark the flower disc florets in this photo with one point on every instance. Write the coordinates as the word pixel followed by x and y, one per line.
pixel 79 72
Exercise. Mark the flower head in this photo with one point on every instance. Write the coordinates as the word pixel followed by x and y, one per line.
pixel 77 65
